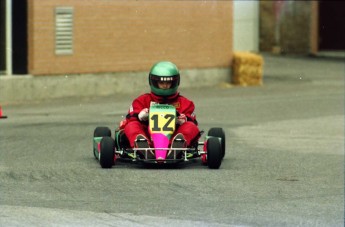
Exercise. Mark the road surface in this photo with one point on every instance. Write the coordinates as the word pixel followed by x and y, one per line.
pixel 284 163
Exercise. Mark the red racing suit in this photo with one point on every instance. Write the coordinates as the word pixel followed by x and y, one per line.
pixel 133 127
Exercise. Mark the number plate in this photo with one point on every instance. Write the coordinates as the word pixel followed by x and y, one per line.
pixel 162 119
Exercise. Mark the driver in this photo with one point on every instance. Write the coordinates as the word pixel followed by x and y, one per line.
pixel 164 80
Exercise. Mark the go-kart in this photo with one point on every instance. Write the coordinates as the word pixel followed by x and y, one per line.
pixel 162 124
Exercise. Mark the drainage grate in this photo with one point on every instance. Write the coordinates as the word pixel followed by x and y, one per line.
pixel 63 30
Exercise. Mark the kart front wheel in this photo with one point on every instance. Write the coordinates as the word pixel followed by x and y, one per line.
pixel 100 132
pixel 106 158
pixel 214 153
pixel 218 132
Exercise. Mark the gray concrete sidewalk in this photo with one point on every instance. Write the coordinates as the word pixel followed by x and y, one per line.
pixel 25 89
pixel 19 89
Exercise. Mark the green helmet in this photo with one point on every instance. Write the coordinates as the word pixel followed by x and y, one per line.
pixel 164 71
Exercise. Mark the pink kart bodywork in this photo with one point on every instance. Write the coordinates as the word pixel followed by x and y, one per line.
pixel 161 128
pixel 160 141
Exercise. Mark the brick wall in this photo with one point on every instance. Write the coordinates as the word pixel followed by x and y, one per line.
pixel 114 36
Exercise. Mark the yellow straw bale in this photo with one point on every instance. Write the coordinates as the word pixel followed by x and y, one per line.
pixel 247 69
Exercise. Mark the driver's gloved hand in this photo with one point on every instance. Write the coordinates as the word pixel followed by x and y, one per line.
pixel 181 119
pixel 144 114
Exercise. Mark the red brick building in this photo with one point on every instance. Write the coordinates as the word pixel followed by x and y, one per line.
pixel 97 36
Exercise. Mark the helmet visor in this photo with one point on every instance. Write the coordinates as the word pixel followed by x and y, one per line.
pixel 173 79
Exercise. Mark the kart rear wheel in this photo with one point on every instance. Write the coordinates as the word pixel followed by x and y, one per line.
pixel 100 132
pixel 218 132
pixel 214 153
pixel 106 158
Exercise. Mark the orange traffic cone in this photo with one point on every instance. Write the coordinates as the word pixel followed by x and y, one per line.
pixel 2 116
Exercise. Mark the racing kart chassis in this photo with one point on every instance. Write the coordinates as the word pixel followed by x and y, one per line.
pixel 109 150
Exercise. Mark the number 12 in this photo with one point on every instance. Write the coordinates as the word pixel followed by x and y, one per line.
pixel 166 127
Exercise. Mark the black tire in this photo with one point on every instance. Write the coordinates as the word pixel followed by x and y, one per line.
pixel 100 132
pixel 106 158
pixel 218 132
pixel 214 153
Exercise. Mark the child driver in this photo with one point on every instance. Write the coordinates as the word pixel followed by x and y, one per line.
pixel 164 79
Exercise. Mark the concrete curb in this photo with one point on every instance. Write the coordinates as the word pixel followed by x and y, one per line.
pixel 19 89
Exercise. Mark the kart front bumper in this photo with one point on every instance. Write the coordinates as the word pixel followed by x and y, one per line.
pixel 145 155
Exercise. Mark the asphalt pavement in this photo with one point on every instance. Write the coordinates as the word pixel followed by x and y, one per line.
pixel 284 162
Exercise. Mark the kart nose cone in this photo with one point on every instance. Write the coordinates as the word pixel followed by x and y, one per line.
pixel 160 141
pixel 161 154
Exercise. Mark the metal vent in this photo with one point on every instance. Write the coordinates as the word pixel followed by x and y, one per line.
pixel 63 30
